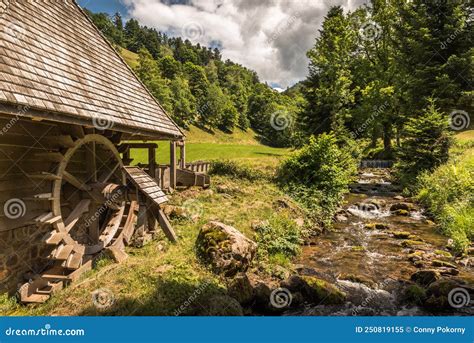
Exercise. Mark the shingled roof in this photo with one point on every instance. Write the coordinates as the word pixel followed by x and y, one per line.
pixel 54 61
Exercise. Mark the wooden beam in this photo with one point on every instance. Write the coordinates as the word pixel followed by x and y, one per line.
pixel 164 223
pixel 152 162
pixel 173 165
pixel 182 156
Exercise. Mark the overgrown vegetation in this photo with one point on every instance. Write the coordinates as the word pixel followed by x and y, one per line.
pixel 448 193
pixel 318 174
pixel 235 170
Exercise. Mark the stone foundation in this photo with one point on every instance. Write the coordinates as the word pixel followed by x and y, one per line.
pixel 22 254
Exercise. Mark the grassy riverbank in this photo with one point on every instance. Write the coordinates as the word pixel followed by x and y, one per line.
pixel 448 192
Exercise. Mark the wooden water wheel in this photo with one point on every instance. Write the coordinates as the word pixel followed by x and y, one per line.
pixel 88 210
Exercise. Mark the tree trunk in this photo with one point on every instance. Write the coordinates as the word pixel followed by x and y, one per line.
pixel 387 139
pixel 374 137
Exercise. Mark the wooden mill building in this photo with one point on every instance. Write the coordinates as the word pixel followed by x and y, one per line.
pixel 70 111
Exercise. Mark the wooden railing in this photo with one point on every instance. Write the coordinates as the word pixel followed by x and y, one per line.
pixel 199 166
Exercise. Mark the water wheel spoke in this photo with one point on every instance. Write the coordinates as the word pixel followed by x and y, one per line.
pixel 91 162
pixel 93 223
pixel 81 208
pixel 68 177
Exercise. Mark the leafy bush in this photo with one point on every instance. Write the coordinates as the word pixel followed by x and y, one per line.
pixel 278 236
pixel 426 145
pixel 317 175
pixel 448 193
pixel 233 169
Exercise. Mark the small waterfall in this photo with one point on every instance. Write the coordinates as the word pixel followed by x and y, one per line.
pixel 376 164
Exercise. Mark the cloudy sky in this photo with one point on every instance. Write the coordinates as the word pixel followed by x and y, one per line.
pixel 268 36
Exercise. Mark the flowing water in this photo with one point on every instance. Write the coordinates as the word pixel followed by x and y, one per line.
pixel 371 264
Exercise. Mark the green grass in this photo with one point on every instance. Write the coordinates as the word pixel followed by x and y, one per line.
pixel 465 136
pixel 130 57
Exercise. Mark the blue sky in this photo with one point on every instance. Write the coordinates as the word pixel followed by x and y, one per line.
pixel 108 6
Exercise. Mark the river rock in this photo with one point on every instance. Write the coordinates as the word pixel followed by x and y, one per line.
pixel 425 277
pixel 241 289
pixel 438 292
pixel 225 248
pixel 439 263
pixel 367 297
pixel 222 305
pixel 314 290
pixel 399 197
pixel 403 213
pixel 377 226
pixel 401 206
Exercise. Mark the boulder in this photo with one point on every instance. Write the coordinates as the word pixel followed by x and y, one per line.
pixel 222 305
pixel 425 277
pixel 314 290
pixel 241 289
pixel 414 294
pixel 225 248
pixel 438 293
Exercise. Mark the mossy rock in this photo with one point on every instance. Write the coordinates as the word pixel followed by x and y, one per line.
pixel 438 293
pixel 377 226
pixel 416 256
pixel 439 263
pixel 241 289
pixel 411 243
pixel 319 291
pixel 401 234
pixel 403 213
pixel 425 277
pixel 358 248
pixel 401 206
pixel 443 253
pixel 225 248
pixel 414 294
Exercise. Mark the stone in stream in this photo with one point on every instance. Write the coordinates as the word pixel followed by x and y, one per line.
pixel 377 226
pixel 314 290
pixel 225 248
pixel 414 294
pixel 439 263
pixel 425 277
pixel 438 293
pixel 403 213
pixel 399 197
pixel 412 243
pixel 401 206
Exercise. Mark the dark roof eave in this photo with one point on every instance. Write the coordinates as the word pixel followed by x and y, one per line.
pixel 29 112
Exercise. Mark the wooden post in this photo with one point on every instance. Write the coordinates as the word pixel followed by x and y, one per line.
pixel 182 148
pixel 152 162
pixel 173 165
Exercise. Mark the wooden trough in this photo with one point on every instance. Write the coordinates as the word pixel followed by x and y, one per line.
pixel 70 108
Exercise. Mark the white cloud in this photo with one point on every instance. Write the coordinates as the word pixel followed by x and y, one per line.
pixel 268 36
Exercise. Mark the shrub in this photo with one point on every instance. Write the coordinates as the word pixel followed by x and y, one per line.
pixel 317 175
pixel 233 169
pixel 278 236
pixel 448 193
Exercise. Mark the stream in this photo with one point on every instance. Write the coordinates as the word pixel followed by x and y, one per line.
pixel 371 252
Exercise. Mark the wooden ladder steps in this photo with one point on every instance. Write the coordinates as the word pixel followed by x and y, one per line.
pixel 54 238
pixel 62 252
pixel 55 274
pixel 50 288
pixel 74 261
